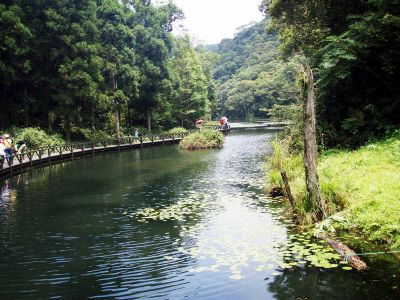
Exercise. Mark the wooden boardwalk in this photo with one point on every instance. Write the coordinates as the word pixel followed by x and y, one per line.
pixel 44 156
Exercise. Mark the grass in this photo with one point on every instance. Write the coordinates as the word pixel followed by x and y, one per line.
pixel 364 185
pixel 203 139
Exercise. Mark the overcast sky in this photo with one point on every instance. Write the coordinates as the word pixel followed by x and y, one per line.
pixel 209 21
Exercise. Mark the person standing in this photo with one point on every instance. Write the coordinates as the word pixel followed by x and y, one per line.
pixel 21 145
pixel 8 143
pixel 2 149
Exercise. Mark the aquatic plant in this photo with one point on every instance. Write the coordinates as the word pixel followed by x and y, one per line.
pixel 203 139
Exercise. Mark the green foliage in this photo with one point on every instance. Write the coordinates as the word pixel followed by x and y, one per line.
pixel 251 78
pixel 36 138
pixel 95 135
pixel 191 99
pixel 177 130
pixel 353 48
pixel 203 139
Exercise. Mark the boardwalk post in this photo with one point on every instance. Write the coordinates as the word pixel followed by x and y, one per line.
pixel 141 142
pixel 49 154
pixel 30 157
pixel 93 148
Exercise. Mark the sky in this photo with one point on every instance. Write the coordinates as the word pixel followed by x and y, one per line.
pixel 210 21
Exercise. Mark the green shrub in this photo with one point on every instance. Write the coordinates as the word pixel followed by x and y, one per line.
pixel 36 138
pixel 95 135
pixel 203 139
pixel 177 130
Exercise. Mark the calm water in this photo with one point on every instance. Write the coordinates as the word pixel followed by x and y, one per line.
pixel 72 231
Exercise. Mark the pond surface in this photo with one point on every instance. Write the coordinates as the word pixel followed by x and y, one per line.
pixel 167 224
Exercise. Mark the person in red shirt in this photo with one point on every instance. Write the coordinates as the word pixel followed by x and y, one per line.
pixel 199 122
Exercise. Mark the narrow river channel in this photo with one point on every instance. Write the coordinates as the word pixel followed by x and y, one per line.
pixel 162 223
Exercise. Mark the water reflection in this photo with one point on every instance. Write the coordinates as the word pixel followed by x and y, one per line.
pixel 316 283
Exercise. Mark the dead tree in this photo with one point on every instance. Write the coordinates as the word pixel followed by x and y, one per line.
pixel 310 146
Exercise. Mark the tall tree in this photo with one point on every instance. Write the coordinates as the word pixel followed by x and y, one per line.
pixel 191 98
pixel 15 36
pixel 154 41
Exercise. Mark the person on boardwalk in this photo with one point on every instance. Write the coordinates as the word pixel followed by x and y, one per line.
pixel 8 142
pixel 2 149
pixel 21 145
pixel 199 122
pixel 224 124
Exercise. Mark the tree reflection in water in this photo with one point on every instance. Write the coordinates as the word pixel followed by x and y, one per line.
pixel 316 283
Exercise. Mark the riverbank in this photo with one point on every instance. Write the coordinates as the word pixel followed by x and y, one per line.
pixel 362 188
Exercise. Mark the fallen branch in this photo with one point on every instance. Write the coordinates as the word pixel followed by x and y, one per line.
pixel 347 254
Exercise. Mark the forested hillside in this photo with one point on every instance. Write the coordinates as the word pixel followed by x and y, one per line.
pixel 83 68
pixel 250 77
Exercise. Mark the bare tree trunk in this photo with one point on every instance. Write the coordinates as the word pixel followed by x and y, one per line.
pixel 148 120
pixel 26 109
pixel 310 146
pixel 117 128
pixel 49 121
pixel 287 190
pixel 93 117
pixel 67 128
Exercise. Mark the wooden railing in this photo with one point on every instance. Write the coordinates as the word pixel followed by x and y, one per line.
pixel 52 153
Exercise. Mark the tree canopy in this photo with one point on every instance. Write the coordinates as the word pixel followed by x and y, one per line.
pixel 90 65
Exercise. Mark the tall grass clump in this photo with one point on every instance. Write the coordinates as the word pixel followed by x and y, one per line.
pixel 203 139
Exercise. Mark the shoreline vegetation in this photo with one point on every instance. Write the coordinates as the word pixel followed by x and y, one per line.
pixel 361 188
pixel 202 139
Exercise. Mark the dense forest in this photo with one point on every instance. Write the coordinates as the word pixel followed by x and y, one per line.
pixel 92 68
pixel 252 80
pixel 353 47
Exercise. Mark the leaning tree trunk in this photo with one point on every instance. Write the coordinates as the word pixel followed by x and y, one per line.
pixel 310 146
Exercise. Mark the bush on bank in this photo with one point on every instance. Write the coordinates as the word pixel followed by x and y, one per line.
pixel 362 187
pixel 35 137
pixel 177 130
pixel 202 139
